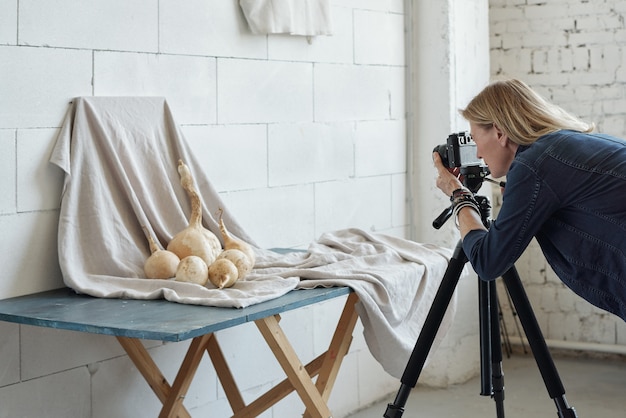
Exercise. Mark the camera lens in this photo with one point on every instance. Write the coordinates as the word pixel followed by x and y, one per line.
pixel 442 150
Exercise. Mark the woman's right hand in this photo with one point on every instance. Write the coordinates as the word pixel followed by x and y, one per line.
pixel 448 179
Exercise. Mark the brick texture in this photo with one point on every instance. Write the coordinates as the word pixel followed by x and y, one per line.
pixel 573 53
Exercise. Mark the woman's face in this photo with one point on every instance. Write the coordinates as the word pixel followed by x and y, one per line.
pixel 494 147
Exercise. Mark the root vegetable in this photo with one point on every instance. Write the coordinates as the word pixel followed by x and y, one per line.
pixel 223 273
pixel 239 259
pixel 195 239
pixel 192 269
pixel 232 243
pixel 161 264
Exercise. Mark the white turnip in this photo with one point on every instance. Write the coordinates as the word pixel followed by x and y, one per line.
pixel 161 264
pixel 223 273
pixel 239 259
pixel 192 269
pixel 195 239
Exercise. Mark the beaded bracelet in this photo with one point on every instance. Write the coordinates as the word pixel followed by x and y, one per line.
pixel 460 199
pixel 460 194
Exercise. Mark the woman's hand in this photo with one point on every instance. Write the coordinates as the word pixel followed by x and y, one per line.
pixel 448 179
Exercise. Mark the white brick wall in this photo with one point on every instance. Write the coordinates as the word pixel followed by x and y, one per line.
pixel 264 91
pixel 8 171
pixel 38 83
pixel 188 82
pixel 298 137
pixel 115 25
pixel 574 53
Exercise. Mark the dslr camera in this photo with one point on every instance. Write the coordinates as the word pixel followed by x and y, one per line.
pixel 458 151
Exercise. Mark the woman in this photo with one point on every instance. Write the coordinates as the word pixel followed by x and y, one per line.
pixel 565 186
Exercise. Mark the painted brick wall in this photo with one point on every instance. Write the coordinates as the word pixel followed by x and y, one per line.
pixel 298 137
pixel 574 53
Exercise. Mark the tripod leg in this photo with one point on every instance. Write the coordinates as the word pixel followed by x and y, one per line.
pixel 491 376
pixel 485 329
pixel 497 376
pixel 504 332
pixel 429 332
pixel 515 320
pixel 537 343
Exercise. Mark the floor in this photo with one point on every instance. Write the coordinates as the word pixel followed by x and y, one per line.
pixel 596 388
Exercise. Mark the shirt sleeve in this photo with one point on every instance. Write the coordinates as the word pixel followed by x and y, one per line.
pixel 527 203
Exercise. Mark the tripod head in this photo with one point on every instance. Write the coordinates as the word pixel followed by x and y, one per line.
pixel 472 177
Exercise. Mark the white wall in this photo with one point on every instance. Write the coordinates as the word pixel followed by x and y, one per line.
pixel 449 63
pixel 299 138
pixel 572 52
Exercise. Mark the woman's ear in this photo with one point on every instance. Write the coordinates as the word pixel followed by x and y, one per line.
pixel 501 136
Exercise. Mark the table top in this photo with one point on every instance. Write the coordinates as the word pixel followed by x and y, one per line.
pixel 146 319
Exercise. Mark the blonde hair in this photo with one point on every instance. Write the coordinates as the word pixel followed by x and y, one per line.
pixel 520 112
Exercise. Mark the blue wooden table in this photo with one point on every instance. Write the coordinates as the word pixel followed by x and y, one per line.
pixel 132 320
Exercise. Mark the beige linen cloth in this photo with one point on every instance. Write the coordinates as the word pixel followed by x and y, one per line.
pixel 120 158
pixel 120 155
pixel 395 279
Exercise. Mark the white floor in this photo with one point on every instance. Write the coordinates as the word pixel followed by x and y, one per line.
pixel 596 388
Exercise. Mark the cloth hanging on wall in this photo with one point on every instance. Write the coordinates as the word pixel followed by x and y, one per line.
pixel 294 17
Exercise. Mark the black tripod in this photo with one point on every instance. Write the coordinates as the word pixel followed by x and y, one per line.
pixel 492 380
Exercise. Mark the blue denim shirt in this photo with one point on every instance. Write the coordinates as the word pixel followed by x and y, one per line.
pixel 568 189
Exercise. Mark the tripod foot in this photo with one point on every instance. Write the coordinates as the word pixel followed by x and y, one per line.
pixel 393 411
pixel 564 410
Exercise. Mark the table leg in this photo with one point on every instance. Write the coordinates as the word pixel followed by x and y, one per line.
pixel 149 370
pixel 185 375
pixel 277 393
pixel 296 372
pixel 224 374
pixel 337 350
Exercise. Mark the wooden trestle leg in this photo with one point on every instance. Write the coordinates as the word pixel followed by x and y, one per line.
pixel 149 370
pixel 299 377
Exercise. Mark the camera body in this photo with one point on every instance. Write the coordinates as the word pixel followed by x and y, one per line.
pixel 458 151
